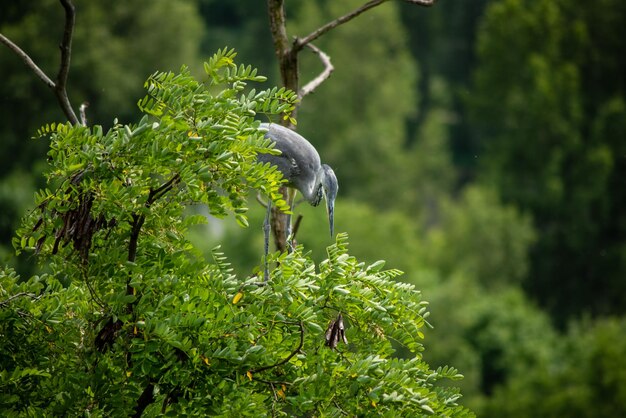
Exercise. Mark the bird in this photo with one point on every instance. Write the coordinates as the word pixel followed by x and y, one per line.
pixel 300 164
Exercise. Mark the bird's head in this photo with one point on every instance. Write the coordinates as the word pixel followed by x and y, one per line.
pixel 330 186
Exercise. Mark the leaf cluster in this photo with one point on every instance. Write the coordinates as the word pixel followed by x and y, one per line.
pixel 130 320
pixel 192 145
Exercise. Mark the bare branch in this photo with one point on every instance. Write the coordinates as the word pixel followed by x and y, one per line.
pixel 260 200
pixel 6 302
pixel 64 68
pixel 300 43
pixel 58 86
pixel 83 113
pixel 422 2
pixel 27 60
pixel 278 25
pixel 323 76
pixel 66 43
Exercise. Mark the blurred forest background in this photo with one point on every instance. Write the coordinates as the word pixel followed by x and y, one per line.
pixel 480 147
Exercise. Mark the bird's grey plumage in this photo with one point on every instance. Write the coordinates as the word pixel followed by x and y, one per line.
pixel 299 161
pixel 300 165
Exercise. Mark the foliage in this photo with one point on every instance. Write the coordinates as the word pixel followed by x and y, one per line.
pixel 585 377
pixel 402 250
pixel 544 146
pixel 116 46
pixel 494 336
pixel 131 319
pixel 551 118
pixel 481 238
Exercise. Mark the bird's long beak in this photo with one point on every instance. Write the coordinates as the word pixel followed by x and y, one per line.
pixel 330 209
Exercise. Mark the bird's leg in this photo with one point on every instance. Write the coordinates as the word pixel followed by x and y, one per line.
pixel 266 243
pixel 291 195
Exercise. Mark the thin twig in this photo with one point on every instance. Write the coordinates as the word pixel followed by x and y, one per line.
pixel 339 408
pixel 27 60
pixel 83 113
pixel 289 357
pixel 18 295
pixel 294 231
pixel 260 200
pixel 92 291
pixel 323 76
pixel 300 43
pixel 421 2
pixel 273 382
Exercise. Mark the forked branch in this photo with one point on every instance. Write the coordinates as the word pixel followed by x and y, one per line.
pixel 59 85
pixel 323 76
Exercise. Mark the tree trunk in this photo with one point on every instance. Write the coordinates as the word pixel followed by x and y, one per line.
pixel 288 64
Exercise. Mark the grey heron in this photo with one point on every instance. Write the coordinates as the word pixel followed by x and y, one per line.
pixel 301 166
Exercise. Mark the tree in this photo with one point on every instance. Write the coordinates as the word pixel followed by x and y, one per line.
pixel 153 327
pixel 131 321
pixel 584 377
pixel 118 48
pixel 551 119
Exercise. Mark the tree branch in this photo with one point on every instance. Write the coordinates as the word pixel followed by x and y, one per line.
pixel 146 398
pixel 6 302
pixel 289 357
pixel 83 113
pixel 323 76
pixel 58 86
pixel 287 57
pixel 300 43
pixel 421 2
pixel 27 60
pixel 138 221
pixel 64 67
pixel 162 189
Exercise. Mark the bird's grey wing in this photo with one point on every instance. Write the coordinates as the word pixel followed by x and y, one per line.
pixel 284 163
pixel 299 161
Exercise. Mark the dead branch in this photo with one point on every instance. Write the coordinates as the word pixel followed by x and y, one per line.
pixel 64 68
pixel 27 60
pixel 59 85
pixel 421 2
pixel 7 301
pixel 287 55
pixel 83 113
pixel 323 76
pixel 300 43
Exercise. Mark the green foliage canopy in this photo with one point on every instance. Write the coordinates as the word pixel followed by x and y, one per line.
pixel 131 320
